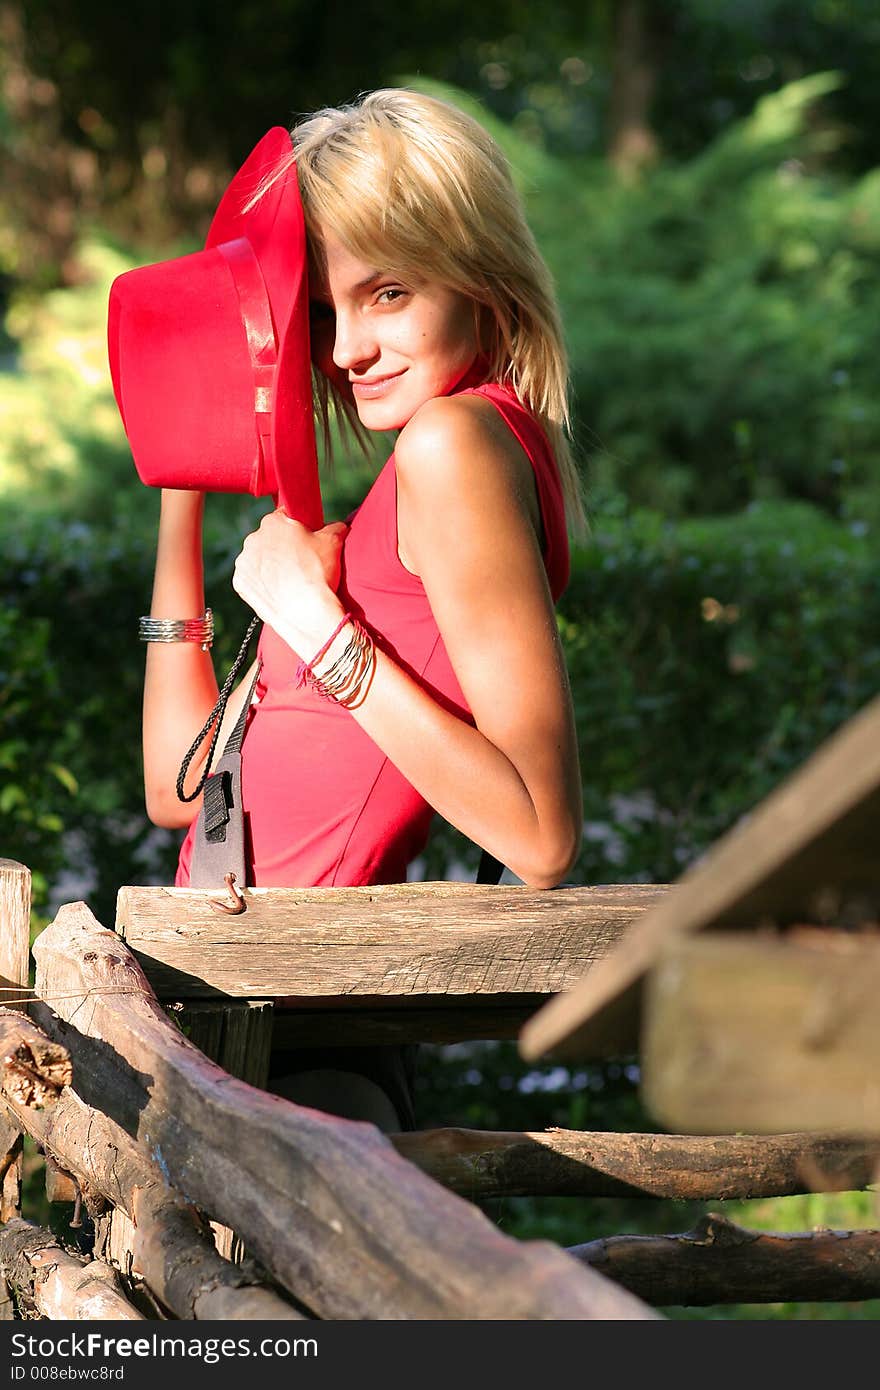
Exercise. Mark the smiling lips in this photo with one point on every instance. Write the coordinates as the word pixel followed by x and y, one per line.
pixel 377 386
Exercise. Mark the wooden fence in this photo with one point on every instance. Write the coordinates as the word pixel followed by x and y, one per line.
pixel 140 1071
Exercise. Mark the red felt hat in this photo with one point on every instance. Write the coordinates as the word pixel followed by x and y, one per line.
pixel 209 353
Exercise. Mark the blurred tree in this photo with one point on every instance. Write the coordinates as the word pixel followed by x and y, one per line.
pixel 138 112
pixel 640 37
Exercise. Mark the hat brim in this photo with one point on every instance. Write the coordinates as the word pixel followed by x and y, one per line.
pixel 275 227
pixel 203 404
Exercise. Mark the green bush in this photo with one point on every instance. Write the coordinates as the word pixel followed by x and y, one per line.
pixel 707 661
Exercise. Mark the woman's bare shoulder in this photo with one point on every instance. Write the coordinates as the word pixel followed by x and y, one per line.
pixel 457 447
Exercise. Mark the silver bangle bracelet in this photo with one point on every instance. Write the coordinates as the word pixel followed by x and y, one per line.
pixel 178 629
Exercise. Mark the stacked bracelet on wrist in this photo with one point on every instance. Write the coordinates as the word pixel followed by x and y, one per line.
pixel 178 629
pixel 352 672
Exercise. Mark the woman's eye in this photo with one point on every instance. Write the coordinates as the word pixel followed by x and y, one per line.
pixel 395 293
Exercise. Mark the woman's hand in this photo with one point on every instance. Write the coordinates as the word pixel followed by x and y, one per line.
pixel 289 576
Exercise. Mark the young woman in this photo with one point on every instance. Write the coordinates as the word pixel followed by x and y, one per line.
pixel 435 678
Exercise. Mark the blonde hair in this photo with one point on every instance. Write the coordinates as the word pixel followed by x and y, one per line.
pixel 414 181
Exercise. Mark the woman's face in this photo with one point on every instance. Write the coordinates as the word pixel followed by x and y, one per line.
pixel 386 344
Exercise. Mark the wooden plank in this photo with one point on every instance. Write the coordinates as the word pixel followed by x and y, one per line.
pixel 328 1207
pixel 762 1034
pixel 437 942
pixel 808 853
pixel 15 923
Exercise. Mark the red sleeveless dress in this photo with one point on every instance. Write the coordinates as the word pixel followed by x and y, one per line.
pixel 325 806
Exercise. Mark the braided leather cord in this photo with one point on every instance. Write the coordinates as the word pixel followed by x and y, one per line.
pixel 215 718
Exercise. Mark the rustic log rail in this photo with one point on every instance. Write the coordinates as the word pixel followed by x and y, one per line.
pixel 148 1130
pixel 566 1163
pixel 371 1237
pixel 719 1262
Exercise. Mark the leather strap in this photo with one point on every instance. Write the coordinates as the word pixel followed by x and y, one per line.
pixel 490 869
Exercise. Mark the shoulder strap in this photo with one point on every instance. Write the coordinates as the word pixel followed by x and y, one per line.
pixel 234 741
pixel 490 869
pixel 215 718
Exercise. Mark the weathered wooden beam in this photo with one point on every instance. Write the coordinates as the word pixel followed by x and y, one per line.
pixel 762 1034
pixel 172 1249
pixel 718 1262
pixel 15 919
pixel 808 853
pixel 563 1162
pixel 56 1283
pixel 414 943
pixel 32 1069
pixel 327 1205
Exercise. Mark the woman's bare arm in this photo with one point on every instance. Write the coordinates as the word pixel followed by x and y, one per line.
pixel 180 687
pixel 512 784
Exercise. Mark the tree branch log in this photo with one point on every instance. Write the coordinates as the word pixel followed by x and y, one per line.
pixel 32 1069
pixel 562 1162
pixel 718 1262
pixel 340 1219
pixel 172 1250
pixel 56 1283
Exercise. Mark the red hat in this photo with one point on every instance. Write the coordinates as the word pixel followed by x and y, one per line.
pixel 209 353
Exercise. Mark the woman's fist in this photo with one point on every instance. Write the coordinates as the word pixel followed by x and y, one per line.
pixel 287 573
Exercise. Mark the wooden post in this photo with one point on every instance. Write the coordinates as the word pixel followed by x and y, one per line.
pixel 745 1031
pixel 15 922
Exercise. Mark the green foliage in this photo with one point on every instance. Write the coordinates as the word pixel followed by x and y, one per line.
pixel 707 661
pixel 723 322
pixel 61 427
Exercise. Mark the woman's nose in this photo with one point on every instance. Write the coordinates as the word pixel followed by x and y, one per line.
pixel 354 343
